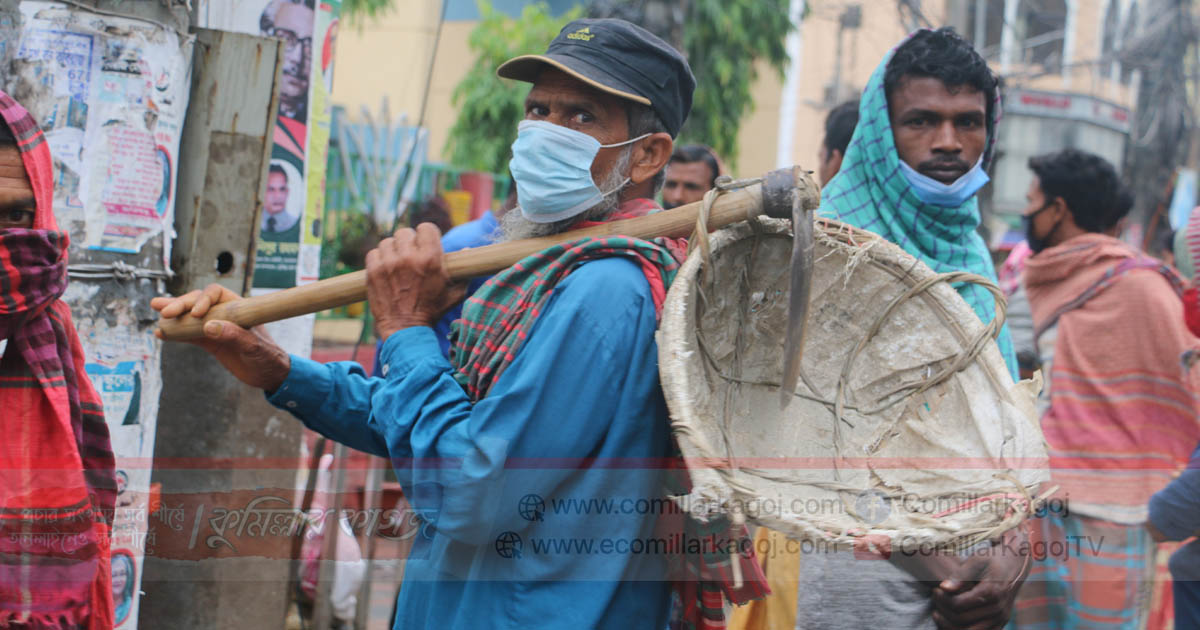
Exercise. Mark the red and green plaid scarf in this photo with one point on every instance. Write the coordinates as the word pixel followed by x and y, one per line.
pixel 57 489
pixel 495 323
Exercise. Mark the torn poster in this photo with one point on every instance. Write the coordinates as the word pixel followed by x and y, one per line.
pixel 124 365
pixel 112 94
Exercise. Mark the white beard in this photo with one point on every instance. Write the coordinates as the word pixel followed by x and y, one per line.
pixel 514 226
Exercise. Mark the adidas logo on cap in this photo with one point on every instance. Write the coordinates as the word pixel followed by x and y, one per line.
pixel 584 34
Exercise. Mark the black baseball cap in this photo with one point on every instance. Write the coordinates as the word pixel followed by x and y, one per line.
pixel 620 58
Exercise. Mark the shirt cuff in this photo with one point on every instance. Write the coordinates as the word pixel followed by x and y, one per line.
pixel 405 349
pixel 307 386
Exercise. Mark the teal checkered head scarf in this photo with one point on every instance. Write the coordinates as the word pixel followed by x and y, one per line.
pixel 871 192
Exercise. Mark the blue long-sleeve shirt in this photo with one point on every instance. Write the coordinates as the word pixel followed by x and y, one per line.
pixel 539 501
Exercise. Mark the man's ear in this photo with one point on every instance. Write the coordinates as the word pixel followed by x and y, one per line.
pixel 835 160
pixel 651 156
pixel 1061 210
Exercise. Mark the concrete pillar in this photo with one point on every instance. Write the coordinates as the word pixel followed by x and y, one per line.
pixel 227 464
pixel 225 459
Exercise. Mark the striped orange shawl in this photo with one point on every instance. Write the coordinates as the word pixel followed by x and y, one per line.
pixel 1123 412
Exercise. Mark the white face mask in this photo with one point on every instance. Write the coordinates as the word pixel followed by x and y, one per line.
pixel 552 167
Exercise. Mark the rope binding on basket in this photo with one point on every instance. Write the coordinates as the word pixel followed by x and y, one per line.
pixel 721 185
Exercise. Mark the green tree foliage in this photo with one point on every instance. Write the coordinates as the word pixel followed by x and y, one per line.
pixel 489 107
pixel 359 9
pixel 723 39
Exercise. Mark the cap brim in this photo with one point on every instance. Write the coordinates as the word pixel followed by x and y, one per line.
pixel 527 67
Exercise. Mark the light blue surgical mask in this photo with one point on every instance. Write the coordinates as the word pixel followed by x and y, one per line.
pixel 552 167
pixel 933 192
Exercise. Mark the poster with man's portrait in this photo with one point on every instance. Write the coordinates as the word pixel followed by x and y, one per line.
pixel 283 203
pixel 293 22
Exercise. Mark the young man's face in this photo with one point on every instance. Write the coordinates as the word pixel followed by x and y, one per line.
pixel 939 133
pixel 277 193
pixel 686 182
pixel 17 204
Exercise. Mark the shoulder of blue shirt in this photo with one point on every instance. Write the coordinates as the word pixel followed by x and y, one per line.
pixel 609 287
pixel 475 233
pixel 1175 510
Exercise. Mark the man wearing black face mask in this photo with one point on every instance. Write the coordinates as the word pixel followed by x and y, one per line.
pixel 1049 221
pixel 1118 413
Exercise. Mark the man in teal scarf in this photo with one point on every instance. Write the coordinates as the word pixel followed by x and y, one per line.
pixel 911 171
pixel 927 123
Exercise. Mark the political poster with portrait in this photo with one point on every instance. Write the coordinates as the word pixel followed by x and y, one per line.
pixel 286 216
pixel 319 127
pixel 289 245
pixel 283 221
pixel 111 93
pixel 124 365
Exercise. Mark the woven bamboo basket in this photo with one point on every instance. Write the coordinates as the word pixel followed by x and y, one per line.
pixel 906 425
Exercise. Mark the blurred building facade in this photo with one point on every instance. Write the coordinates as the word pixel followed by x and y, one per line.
pixel 1064 84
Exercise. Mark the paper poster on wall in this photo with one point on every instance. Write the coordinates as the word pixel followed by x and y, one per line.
pixel 294 22
pixel 112 93
pixel 279 229
pixel 124 366
pixel 125 578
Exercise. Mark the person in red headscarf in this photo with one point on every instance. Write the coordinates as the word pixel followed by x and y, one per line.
pixel 57 482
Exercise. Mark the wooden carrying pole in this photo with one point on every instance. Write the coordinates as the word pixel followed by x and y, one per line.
pixel 730 207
